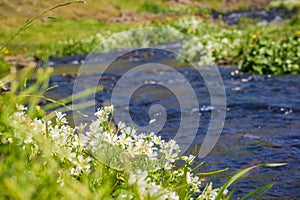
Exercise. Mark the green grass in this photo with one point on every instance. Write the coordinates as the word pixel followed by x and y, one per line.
pixel 79 21
pixel 65 34
pixel 76 21
pixel 46 33
pixel 285 5
pixel 153 7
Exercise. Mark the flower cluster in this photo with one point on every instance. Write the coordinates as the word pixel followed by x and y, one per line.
pixel 147 188
pixel 143 164
pixel 66 145
pixel 212 45
pixel 123 148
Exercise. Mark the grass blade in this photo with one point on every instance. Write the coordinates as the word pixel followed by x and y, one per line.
pixel 29 22
pixel 241 173
pixel 261 191
pixel 212 172
pixel 231 194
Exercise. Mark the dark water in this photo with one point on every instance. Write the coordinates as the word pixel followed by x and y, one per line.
pixel 262 123
pixel 264 16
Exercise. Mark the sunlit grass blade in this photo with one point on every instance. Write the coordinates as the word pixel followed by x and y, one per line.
pixel 203 192
pixel 67 100
pixel 231 194
pixel 212 172
pixel 67 108
pixel 76 108
pixel 51 88
pixel 259 191
pixel 197 166
pixel 29 22
pixel 273 164
pixel 241 173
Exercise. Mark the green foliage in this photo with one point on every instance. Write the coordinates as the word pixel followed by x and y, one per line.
pixel 222 45
pixel 264 55
pixel 30 22
pixel 241 173
pixel 153 7
pixel 4 66
pixel 284 4
pixel 68 47
pixel 200 9
pixel 106 42
pixel 246 22
pixel 295 20
pixel 270 52
pixel 273 52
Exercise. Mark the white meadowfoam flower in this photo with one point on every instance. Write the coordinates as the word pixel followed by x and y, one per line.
pixel 110 138
pixel 124 140
pixel 21 107
pixel 28 139
pixel 60 118
pixel 121 125
pixel 77 142
pixel 188 178
pixel 190 159
pixel 99 113
pixel 156 139
pixel 95 127
pixel 138 177
pixel 75 171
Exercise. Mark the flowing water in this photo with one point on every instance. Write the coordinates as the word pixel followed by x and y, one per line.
pixel 262 121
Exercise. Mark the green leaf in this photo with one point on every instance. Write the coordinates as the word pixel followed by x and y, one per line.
pixel 212 172
pixel 230 194
pixel 261 191
pixel 241 173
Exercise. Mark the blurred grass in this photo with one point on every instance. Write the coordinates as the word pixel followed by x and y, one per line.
pixel 79 21
pixel 44 34
pixel 74 21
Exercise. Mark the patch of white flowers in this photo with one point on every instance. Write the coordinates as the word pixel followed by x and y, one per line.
pixel 123 148
pixel 148 188
pixel 208 46
pixel 81 149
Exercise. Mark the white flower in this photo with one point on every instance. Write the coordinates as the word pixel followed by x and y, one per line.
pixel 110 138
pixel 28 139
pixel 138 177
pixel 188 177
pixel 21 107
pixel 156 139
pixel 60 118
pixel 121 125
pixel 124 140
pixel 95 127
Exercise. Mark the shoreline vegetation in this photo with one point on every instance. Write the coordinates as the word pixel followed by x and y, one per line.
pixel 255 45
pixel 42 157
